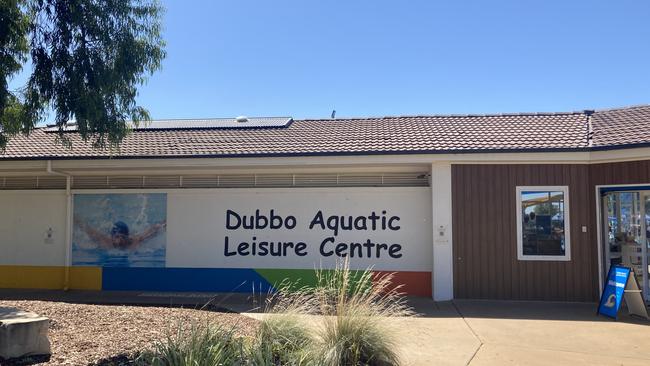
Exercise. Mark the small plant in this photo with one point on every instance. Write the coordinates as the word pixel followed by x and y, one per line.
pixel 197 345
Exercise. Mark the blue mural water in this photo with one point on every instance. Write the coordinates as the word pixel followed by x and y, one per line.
pixel 184 279
pixel 119 230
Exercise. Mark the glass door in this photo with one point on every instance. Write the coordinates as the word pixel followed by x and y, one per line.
pixel 626 222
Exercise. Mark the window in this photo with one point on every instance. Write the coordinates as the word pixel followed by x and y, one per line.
pixel 543 223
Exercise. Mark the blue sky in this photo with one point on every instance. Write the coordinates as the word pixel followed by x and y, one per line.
pixel 369 58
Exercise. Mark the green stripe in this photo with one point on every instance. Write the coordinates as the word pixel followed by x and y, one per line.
pixel 294 278
pixel 298 278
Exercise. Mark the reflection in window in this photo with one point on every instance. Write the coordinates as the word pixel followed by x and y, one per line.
pixel 543 223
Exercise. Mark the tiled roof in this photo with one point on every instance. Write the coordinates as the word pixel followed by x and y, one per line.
pixel 389 135
pixel 621 126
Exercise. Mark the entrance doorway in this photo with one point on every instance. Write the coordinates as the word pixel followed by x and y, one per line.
pixel 626 224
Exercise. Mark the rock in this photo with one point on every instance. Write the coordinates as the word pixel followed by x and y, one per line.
pixel 22 333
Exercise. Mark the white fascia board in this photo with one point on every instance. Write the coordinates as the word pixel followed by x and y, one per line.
pixel 15 167
pixel 257 163
pixel 194 170
pixel 611 156
pixel 397 162
pixel 322 161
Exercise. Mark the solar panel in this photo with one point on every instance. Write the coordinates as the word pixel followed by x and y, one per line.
pixel 211 123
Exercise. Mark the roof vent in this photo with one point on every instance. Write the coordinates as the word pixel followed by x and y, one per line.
pixel 241 119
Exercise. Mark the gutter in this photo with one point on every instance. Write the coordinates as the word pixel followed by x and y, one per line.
pixel 68 222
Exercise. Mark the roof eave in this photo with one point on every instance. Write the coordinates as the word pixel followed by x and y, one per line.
pixel 304 154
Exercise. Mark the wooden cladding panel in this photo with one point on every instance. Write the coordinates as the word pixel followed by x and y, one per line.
pixel 631 172
pixel 485 242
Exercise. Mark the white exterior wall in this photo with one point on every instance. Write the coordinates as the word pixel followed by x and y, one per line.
pixel 25 218
pixel 196 226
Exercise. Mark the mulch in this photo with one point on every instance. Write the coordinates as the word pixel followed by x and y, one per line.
pixel 82 334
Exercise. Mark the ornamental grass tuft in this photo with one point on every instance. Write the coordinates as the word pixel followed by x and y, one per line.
pixel 196 345
pixel 282 339
pixel 341 320
pixel 347 311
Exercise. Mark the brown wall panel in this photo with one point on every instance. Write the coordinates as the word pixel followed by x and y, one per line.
pixel 484 229
pixel 631 172
pixel 485 243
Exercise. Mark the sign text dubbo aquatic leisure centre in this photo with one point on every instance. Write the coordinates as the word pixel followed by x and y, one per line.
pixel 329 246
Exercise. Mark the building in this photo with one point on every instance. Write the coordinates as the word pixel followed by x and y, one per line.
pixel 513 206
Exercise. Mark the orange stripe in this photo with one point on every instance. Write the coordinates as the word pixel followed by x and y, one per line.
pixel 413 283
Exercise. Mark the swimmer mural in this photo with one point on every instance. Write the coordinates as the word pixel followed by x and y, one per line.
pixel 120 230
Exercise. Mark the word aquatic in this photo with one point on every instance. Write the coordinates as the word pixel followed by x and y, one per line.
pixel 328 247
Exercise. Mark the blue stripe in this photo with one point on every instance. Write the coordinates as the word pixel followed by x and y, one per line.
pixel 183 279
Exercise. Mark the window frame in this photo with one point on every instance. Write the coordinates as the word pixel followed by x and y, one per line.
pixel 567 225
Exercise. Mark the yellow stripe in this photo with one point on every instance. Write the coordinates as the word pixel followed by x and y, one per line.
pixel 50 277
pixel 86 278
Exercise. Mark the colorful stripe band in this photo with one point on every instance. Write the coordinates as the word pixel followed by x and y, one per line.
pixel 184 279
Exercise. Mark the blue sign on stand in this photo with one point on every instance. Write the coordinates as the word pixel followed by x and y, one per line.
pixel 612 297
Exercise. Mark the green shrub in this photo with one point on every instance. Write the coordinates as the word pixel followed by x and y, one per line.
pixel 198 345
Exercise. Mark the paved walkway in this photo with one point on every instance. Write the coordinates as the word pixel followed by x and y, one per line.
pixel 518 333
pixel 521 333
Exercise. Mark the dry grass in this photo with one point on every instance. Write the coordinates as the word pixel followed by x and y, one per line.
pixel 87 334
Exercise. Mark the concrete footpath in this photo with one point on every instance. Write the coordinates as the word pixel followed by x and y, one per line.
pixel 474 332
pixel 517 333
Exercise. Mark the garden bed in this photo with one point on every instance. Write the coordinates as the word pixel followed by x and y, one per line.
pixel 83 334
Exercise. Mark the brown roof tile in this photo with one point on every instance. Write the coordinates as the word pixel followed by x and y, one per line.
pixel 415 134
pixel 621 126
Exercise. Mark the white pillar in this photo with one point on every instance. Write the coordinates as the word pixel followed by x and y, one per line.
pixel 443 264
